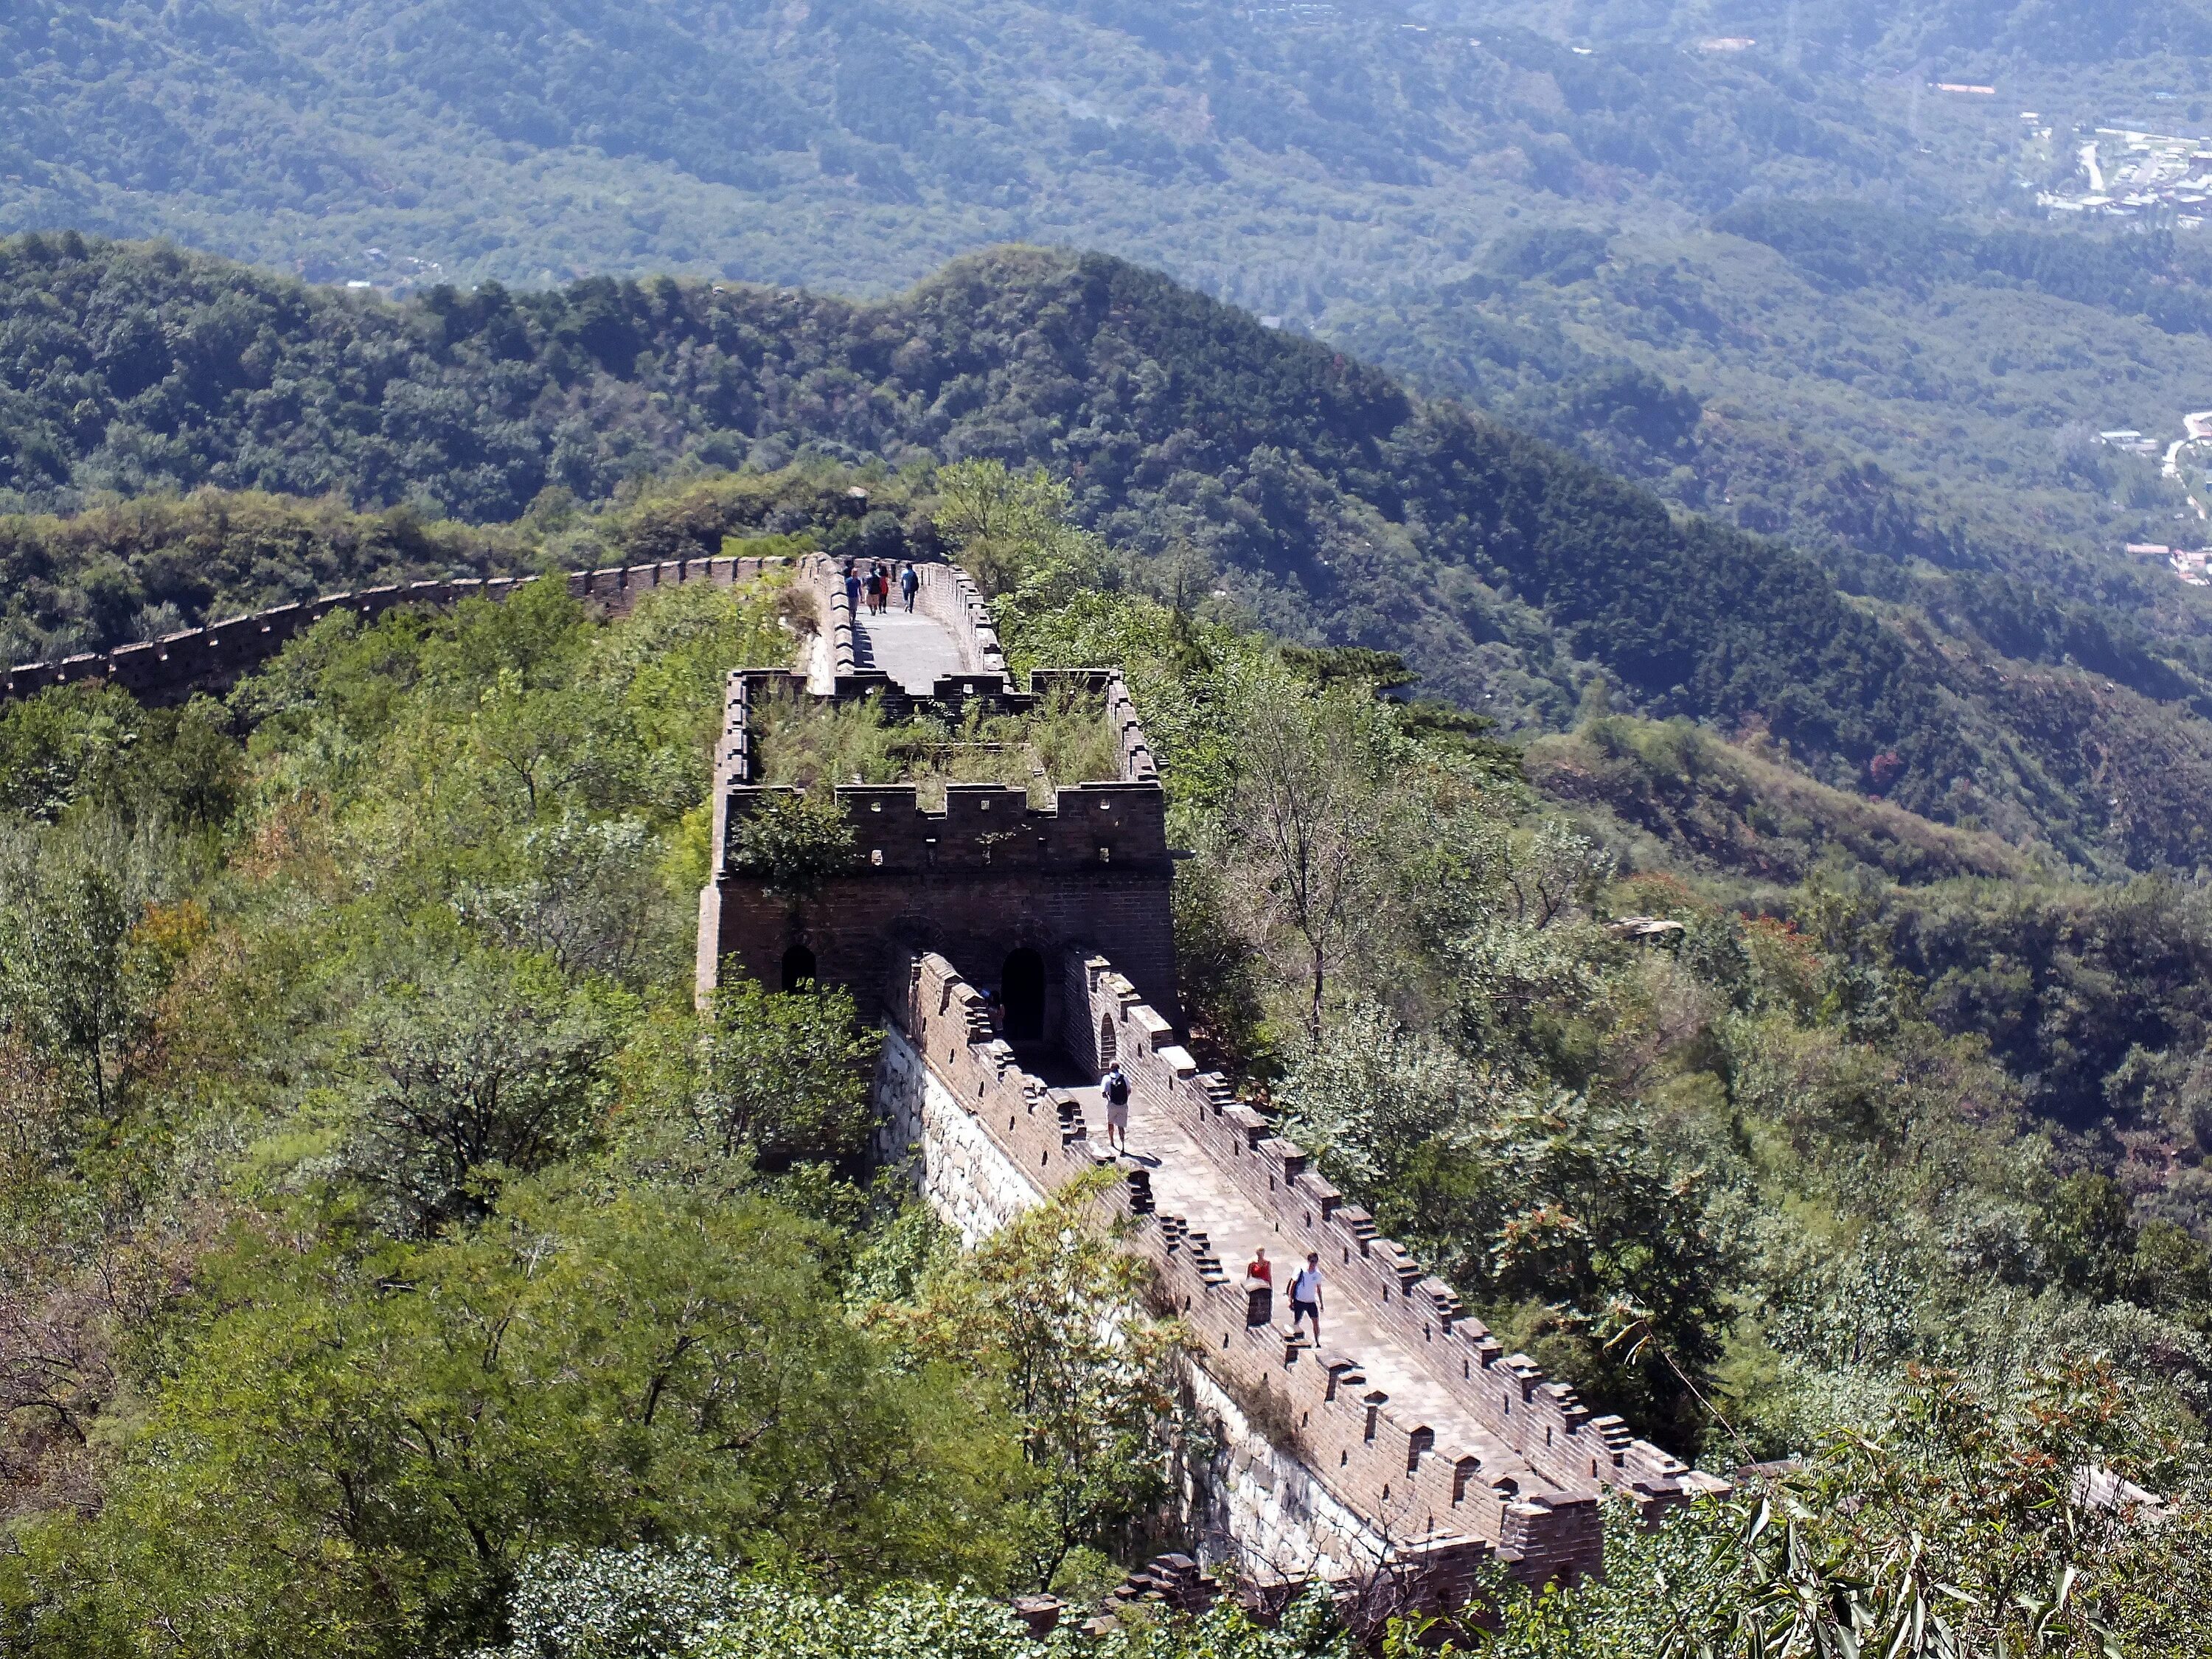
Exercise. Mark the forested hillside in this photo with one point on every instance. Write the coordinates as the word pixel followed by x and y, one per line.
pixel 858 146
pixel 1352 169
pixel 1592 221
pixel 1964 31
pixel 1238 467
pixel 396 1264
pixel 1888 388
pixel 1621 475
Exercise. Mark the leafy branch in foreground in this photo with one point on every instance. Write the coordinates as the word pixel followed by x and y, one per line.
pixel 1962 1526
pixel 792 844
pixel 1057 1309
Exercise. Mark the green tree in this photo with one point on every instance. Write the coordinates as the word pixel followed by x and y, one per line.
pixel 792 843
pixel 1956 1527
pixel 1374 1097
pixel 784 1075
pixel 355 1458
pixel 1052 1310
pixel 1313 806
pixel 72 990
pixel 468 1065
pixel 1015 532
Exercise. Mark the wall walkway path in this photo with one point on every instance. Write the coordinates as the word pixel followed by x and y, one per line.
pixel 1422 1447
pixel 915 651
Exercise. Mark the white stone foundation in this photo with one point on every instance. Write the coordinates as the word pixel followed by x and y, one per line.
pixel 1248 1501
pixel 974 1187
pixel 1257 1506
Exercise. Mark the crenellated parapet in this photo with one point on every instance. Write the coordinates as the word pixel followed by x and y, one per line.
pixel 992 874
pixel 1541 1421
pixel 944 593
pixel 218 655
pixel 1435 1446
pixel 947 594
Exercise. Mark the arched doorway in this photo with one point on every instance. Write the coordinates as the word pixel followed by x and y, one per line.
pixel 799 969
pixel 1109 1049
pixel 1021 993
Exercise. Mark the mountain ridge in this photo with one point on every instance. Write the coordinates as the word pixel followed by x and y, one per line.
pixel 1281 478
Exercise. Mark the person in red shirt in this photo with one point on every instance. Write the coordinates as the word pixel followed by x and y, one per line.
pixel 1262 1268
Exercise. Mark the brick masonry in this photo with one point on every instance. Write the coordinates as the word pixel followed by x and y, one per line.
pixel 974 1187
pixel 1249 1502
pixel 216 657
pixel 1446 1495
pixel 988 876
pixel 1426 1452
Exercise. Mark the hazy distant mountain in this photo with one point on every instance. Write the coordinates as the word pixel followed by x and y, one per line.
pixel 1267 150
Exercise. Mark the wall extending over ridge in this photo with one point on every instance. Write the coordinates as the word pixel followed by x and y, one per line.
pixel 216 657
pixel 944 595
pixel 1482 1457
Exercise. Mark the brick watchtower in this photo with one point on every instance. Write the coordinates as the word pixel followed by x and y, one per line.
pixel 1005 888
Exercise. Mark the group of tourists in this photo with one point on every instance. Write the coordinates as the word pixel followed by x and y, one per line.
pixel 872 585
pixel 1305 1288
pixel 1305 1285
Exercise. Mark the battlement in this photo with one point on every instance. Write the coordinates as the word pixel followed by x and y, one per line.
pixel 1503 1464
pixel 943 594
pixel 215 657
pixel 994 873
pixel 1541 1421
pixel 1104 822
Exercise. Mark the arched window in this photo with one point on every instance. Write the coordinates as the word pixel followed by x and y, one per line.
pixel 1021 992
pixel 1110 1047
pixel 799 969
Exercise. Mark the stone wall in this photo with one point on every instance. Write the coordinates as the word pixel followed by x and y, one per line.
pixel 945 595
pixel 988 876
pixel 1445 1505
pixel 216 657
pixel 1248 1502
pixel 1543 1423
pixel 950 598
pixel 972 1185
pixel 1257 1506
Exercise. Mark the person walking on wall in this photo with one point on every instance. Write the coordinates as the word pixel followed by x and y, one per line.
pixel 875 590
pixel 1114 1085
pixel 1262 1268
pixel 907 582
pixel 853 588
pixel 1305 1297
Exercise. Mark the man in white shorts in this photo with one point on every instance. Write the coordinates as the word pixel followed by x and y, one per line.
pixel 1114 1085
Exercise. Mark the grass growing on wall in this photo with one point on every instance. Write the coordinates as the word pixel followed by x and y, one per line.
pixel 1063 740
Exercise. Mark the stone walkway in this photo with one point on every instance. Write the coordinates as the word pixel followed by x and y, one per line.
pixel 1186 1182
pixel 915 650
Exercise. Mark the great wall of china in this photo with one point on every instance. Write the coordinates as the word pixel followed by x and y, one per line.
pixel 1406 1444
pixel 1028 945
pixel 212 657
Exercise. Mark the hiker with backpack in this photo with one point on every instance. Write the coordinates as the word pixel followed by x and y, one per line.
pixel 1114 1085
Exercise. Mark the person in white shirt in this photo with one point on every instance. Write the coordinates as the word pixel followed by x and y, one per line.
pixel 1114 1085
pixel 1305 1295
